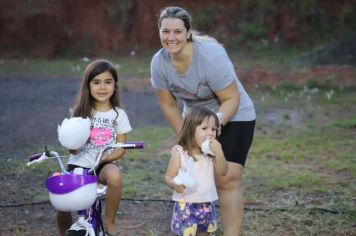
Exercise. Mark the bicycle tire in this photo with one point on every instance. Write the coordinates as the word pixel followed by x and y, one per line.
pixel 75 233
pixel 97 221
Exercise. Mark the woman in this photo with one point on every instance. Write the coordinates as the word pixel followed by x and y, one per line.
pixel 198 71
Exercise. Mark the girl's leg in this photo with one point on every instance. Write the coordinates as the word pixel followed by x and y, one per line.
pixel 64 221
pixel 110 175
pixel 231 199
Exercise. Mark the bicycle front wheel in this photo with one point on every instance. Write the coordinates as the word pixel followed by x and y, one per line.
pixel 76 233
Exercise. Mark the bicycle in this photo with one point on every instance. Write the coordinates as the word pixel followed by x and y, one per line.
pixel 78 190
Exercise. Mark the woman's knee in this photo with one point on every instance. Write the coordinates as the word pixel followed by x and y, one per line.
pixel 232 179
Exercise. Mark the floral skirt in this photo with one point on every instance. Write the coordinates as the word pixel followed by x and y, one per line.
pixel 190 218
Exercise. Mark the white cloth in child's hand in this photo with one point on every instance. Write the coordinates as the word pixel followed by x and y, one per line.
pixel 186 179
pixel 206 148
pixel 185 176
pixel 73 133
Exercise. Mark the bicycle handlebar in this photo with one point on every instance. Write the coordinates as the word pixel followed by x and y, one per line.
pixel 34 157
pixel 133 145
pixel 127 145
pixel 39 157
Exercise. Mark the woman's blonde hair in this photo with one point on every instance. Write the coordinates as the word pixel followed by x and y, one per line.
pixel 182 14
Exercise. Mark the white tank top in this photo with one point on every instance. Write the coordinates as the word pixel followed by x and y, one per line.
pixel 203 172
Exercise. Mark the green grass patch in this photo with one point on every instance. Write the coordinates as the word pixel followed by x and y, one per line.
pixel 346 123
pixel 144 170
pixel 304 155
pixel 130 66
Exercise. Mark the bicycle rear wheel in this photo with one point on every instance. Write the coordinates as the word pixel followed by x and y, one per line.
pixel 75 233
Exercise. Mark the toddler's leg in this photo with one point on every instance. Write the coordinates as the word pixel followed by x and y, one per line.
pixel 64 221
pixel 110 175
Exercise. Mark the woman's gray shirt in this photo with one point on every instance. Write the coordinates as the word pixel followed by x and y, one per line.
pixel 211 70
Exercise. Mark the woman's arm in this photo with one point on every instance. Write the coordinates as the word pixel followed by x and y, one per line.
pixel 170 109
pixel 230 100
pixel 118 153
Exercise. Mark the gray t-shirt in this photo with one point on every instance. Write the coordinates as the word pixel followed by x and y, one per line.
pixel 211 70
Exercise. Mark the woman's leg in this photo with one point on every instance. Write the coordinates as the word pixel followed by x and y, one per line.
pixel 64 221
pixel 231 199
pixel 236 139
pixel 110 175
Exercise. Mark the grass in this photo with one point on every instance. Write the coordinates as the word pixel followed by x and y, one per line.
pixel 301 166
pixel 300 177
pixel 138 65
pixel 143 168
pixel 128 67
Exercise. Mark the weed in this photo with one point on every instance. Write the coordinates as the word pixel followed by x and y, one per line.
pixel 346 123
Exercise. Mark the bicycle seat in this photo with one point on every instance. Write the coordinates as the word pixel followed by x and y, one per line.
pixel 72 192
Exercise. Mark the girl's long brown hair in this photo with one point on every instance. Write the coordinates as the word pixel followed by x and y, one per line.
pixel 85 105
pixel 195 117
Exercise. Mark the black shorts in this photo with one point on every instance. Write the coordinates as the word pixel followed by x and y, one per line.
pixel 97 170
pixel 236 139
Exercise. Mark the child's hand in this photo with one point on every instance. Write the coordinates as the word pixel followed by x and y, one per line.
pixel 74 152
pixel 215 146
pixel 105 158
pixel 179 188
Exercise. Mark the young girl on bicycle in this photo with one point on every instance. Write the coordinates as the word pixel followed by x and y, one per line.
pixel 194 210
pixel 98 99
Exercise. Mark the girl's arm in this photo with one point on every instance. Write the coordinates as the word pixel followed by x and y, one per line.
pixel 118 153
pixel 230 100
pixel 172 171
pixel 219 160
pixel 170 109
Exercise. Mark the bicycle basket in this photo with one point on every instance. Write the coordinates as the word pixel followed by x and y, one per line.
pixel 71 192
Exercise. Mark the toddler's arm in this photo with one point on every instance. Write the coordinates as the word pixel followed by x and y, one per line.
pixel 219 160
pixel 172 171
